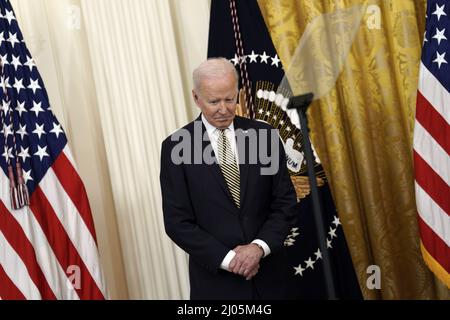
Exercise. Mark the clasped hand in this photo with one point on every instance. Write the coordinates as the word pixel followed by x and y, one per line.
pixel 246 261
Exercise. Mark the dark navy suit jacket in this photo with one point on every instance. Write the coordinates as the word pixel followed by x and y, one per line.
pixel 201 217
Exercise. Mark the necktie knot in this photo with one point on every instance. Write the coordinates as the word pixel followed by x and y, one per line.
pixel 222 132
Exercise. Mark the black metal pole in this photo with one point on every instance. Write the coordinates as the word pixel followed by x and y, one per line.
pixel 301 104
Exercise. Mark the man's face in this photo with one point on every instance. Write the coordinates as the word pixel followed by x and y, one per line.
pixel 217 99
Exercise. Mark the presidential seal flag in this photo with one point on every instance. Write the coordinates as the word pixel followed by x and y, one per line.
pixel 48 246
pixel 432 142
pixel 239 33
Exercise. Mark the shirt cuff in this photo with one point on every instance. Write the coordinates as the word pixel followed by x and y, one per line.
pixel 263 245
pixel 226 261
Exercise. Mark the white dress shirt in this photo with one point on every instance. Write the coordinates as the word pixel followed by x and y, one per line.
pixel 213 134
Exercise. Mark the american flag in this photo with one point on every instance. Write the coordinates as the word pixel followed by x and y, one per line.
pixel 432 141
pixel 48 250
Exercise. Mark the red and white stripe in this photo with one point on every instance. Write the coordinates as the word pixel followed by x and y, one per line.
pixel 432 171
pixel 41 245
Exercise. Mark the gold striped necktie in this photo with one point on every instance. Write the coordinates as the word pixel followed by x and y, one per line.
pixel 229 167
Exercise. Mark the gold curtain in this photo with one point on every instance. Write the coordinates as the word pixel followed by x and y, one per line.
pixel 363 130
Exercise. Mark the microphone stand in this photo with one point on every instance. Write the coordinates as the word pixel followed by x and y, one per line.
pixel 301 104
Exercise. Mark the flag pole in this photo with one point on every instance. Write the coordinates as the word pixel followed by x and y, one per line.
pixel 301 104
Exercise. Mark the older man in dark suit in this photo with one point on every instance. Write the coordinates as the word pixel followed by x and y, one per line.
pixel 228 200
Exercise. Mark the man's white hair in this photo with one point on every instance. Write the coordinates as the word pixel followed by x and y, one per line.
pixel 213 68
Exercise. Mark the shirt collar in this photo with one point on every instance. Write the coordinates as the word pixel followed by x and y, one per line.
pixel 211 129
